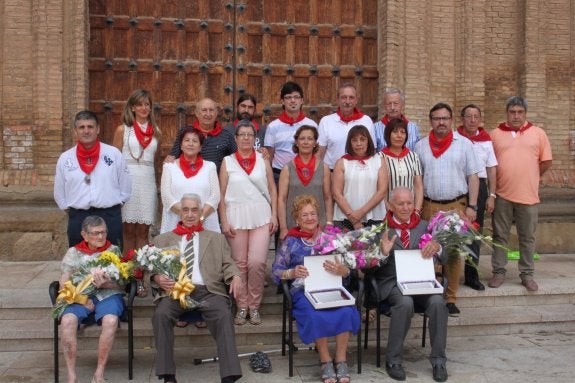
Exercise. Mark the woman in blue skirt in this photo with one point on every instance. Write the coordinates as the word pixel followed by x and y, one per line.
pixel 315 325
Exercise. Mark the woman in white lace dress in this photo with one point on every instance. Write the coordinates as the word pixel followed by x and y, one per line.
pixel 138 140
pixel 190 174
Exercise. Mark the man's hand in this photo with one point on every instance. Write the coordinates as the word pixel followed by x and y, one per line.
pixel 165 283
pixel 235 285
pixel 265 153
pixel 386 244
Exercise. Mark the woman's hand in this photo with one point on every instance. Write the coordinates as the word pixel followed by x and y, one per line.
pixel 336 267
pixel 283 233
pixel 100 277
pixel 300 271
pixel 273 225
pixel 355 217
pixel 227 230
pixel 386 244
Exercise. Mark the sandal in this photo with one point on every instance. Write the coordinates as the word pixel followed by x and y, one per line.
pixel 182 323
pixel 201 324
pixel 342 372
pixel 327 372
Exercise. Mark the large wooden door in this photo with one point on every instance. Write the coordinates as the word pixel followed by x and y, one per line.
pixel 185 50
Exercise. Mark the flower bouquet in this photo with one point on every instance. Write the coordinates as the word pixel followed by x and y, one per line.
pixel 80 286
pixel 169 263
pixel 359 249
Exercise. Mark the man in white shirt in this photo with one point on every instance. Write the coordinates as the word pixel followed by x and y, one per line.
pixel 333 128
pixel 92 179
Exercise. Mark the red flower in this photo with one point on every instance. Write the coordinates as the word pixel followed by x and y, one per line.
pixel 475 225
pixel 129 255
pixel 138 273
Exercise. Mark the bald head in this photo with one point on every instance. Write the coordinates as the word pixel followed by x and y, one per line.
pixel 207 113
pixel 401 204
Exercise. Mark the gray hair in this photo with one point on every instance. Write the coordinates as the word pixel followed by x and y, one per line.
pixel 192 197
pixel 516 101
pixel 245 123
pixel 395 91
pixel 92 221
pixel 85 115
pixel 397 190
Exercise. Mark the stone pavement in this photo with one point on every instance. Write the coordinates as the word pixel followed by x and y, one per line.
pixel 524 358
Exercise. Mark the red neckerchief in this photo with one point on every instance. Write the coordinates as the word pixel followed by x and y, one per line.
pixel 247 163
pixel 392 223
pixel 385 120
pixel 505 127
pixel 288 120
pixel 88 158
pixel 189 231
pixel 480 137
pixel 299 233
pixel 356 115
pixel 83 247
pixel 254 123
pixel 191 169
pixel 387 151
pixel 439 147
pixel 361 160
pixel 214 132
pixel 144 138
pixel 304 171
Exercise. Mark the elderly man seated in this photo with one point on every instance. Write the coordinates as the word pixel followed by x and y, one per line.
pixel 406 231
pixel 210 268
pixel 106 302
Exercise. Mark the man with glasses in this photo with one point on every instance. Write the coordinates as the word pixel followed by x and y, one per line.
pixel 524 155
pixel 450 180
pixel 218 143
pixel 279 134
pixel 394 104
pixel 333 128
pixel 470 128
pixel 92 179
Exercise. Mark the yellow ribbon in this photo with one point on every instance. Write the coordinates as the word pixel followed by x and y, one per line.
pixel 182 288
pixel 73 294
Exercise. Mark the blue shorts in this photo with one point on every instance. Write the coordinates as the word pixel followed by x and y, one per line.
pixel 113 305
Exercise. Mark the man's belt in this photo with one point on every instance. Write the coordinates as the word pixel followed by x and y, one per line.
pixel 91 209
pixel 446 201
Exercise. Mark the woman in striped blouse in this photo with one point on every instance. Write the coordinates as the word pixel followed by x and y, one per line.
pixel 403 165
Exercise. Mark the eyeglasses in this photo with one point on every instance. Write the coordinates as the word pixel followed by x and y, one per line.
pixel 98 233
pixel 444 119
pixel 294 98
pixel 248 135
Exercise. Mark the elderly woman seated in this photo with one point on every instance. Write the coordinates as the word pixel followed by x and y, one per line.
pixel 315 325
pixel 106 302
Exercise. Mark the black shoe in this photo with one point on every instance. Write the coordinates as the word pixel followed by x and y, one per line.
pixel 170 378
pixel 439 373
pixel 453 310
pixel 475 285
pixel 395 371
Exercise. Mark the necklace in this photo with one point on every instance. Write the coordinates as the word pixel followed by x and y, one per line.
pixel 140 146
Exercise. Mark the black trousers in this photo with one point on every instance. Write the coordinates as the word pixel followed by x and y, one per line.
pixel 111 215
pixel 470 270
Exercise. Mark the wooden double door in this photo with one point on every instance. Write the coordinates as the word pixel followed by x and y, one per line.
pixel 184 50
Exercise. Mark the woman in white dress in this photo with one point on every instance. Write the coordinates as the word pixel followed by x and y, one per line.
pixel 138 140
pixel 190 174
pixel 359 182
pixel 248 217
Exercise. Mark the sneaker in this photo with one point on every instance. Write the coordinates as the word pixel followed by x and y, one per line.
pixel 255 317
pixel 496 281
pixel 241 317
pixel 530 284
pixel 453 310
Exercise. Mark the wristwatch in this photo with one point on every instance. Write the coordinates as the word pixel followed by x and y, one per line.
pixel 474 207
pixel 493 195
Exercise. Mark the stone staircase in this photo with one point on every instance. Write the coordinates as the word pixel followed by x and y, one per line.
pixel 27 325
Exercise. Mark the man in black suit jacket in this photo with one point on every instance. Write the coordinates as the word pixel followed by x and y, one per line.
pixel 406 226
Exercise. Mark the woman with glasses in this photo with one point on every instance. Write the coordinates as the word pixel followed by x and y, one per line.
pixel 248 218
pixel 138 140
pixel 190 174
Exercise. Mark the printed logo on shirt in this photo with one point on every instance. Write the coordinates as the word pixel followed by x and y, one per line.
pixel 69 165
pixel 108 160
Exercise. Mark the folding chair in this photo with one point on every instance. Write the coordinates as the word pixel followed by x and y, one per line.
pixel 131 290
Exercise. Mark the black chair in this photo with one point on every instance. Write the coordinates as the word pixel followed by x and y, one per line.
pixel 288 318
pixel 128 316
pixel 384 308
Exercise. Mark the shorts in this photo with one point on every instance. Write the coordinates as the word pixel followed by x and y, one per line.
pixel 113 305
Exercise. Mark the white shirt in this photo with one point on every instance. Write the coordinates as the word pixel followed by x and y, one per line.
pixel 110 181
pixel 485 156
pixel 279 136
pixel 333 135
pixel 197 278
